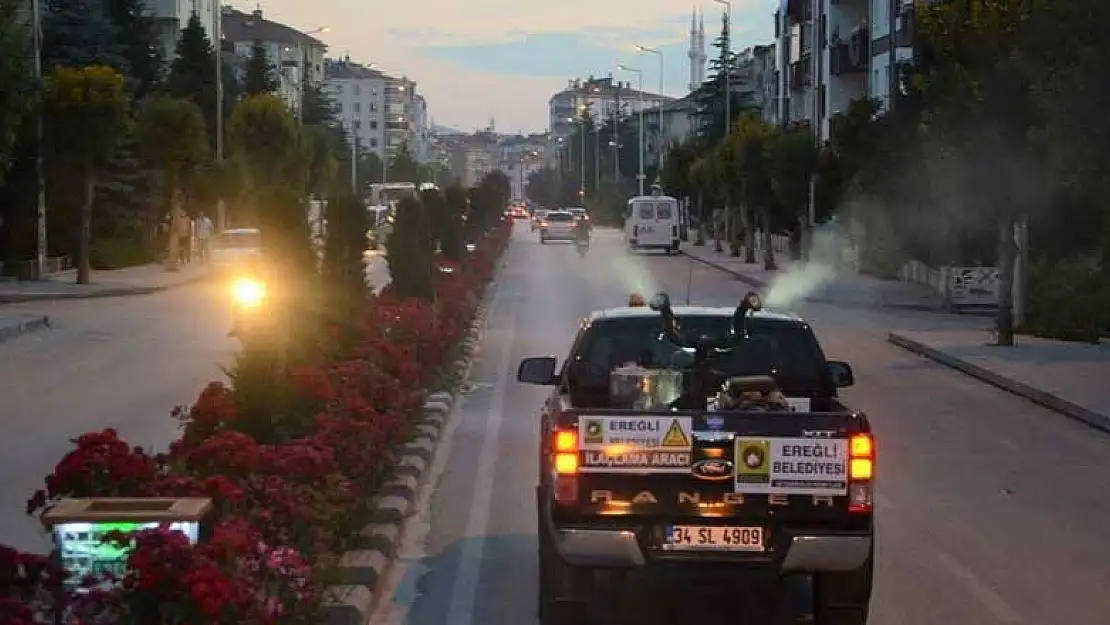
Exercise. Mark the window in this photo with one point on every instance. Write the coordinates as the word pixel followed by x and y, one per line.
pixel 647 211
pixel 358 107
pixel 373 142
pixel 358 90
pixel 338 107
pixel 373 107
pixel 560 217
pixel 358 125
pixel 663 211
pixel 373 124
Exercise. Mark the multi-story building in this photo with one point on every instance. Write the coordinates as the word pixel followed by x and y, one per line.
pixel 172 16
pixel 382 111
pixel 602 98
pixel 831 53
pixel 520 156
pixel 474 156
pixel 297 58
pixel 421 131
pixel 358 92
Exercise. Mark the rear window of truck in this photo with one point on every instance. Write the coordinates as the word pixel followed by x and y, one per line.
pixel 787 350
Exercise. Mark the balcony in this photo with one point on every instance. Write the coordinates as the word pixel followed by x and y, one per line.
pixel 852 56
pixel 798 10
pixel 798 75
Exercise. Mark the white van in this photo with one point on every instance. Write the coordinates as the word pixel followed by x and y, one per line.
pixel 651 222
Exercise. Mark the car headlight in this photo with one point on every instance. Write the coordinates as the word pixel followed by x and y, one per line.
pixel 248 293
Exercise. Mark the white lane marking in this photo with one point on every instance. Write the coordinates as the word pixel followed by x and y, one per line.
pixel 985 595
pixel 400 591
pixel 464 594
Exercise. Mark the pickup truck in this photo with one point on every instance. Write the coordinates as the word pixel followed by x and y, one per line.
pixel 781 488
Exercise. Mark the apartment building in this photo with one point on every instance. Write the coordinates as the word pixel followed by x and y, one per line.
pixel 297 58
pixel 519 157
pixel 831 52
pixel 602 97
pixel 474 156
pixel 382 111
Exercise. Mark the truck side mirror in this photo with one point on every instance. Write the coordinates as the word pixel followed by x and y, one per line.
pixel 841 373
pixel 538 370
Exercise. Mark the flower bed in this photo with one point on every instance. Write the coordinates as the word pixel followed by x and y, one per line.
pixel 280 509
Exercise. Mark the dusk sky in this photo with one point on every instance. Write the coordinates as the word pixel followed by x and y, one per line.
pixel 503 59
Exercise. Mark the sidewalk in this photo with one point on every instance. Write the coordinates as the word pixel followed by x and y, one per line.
pixel 13 324
pixel 116 283
pixel 845 289
pixel 1070 378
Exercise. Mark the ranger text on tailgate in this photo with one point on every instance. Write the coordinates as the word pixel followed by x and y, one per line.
pixel 694 436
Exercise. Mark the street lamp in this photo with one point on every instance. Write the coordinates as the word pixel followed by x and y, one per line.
pixel 640 75
pixel 662 74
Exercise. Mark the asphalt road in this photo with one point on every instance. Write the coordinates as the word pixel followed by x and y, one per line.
pixel 115 362
pixel 992 511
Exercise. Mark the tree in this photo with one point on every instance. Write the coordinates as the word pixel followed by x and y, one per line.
pixel 193 72
pixel 260 76
pixel 488 202
pixel 77 33
pixel 410 252
pixel 316 107
pixel 173 139
pixel 323 165
pixel 710 96
pixel 85 112
pixel 16 74
pixel 344 266
pixel 792 158
pixel 137 37
pixel 449 223
pixel 403 167
pixel 263 135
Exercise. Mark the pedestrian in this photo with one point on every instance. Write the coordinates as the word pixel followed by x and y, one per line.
pixel 204 234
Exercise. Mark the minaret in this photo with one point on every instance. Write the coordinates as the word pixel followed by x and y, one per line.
pixel 702 58
pixel 692 53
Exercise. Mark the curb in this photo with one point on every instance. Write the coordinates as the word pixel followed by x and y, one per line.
pixel 750 281
pixel 15 298
pixel 354 600
pixel 1042 398
pixel 23 327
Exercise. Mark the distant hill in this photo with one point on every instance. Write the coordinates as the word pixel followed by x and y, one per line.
pixel 444 130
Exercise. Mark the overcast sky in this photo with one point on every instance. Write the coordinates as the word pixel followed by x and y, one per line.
pixel 502 59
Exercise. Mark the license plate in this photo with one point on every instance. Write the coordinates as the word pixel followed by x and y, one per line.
pixel 714 538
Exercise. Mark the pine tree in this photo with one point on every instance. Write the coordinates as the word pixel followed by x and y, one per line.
pixel 260 77
pixel 410 252
pixel 404 167
pixel 710 97
pixel 139 41
pixel 449 224
pixel 78 33
pixel 316 107
pixel 193 72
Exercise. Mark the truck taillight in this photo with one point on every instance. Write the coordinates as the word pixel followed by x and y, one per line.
pixel 861 472
pixel 565 465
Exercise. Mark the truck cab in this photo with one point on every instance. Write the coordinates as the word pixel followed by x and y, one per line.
pixel 637 480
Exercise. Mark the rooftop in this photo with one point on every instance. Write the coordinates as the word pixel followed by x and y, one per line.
pixel 346 69
pixel 240 26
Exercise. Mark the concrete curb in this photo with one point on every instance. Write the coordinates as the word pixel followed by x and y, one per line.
pixel 353 602
pixel 1037 396
pixel 746 279
pixel 126 291
pixel 23 327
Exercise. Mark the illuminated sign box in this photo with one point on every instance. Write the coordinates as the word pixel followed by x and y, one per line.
pixel 79 526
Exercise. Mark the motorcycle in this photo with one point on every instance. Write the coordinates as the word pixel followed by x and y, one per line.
pixel 582 245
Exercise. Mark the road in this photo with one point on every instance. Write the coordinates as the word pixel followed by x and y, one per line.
pixel 115 362
pixel 992 511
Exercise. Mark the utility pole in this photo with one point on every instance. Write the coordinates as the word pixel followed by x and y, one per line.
pixel 640 99
pixel 217 28
pixel 40 202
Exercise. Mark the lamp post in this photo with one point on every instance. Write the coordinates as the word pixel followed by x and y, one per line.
pixel 662 74
pixel 40 202
pixel 640 76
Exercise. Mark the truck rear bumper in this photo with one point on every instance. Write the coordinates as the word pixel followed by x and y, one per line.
pixel 804 551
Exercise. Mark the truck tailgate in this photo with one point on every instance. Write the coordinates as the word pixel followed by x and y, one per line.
pixel 720 482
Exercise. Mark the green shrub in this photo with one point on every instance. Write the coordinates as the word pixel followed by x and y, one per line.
pixel 1068 300
pixel 410 252
pixel 450 225
pixel 117 253
pixel 344 266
